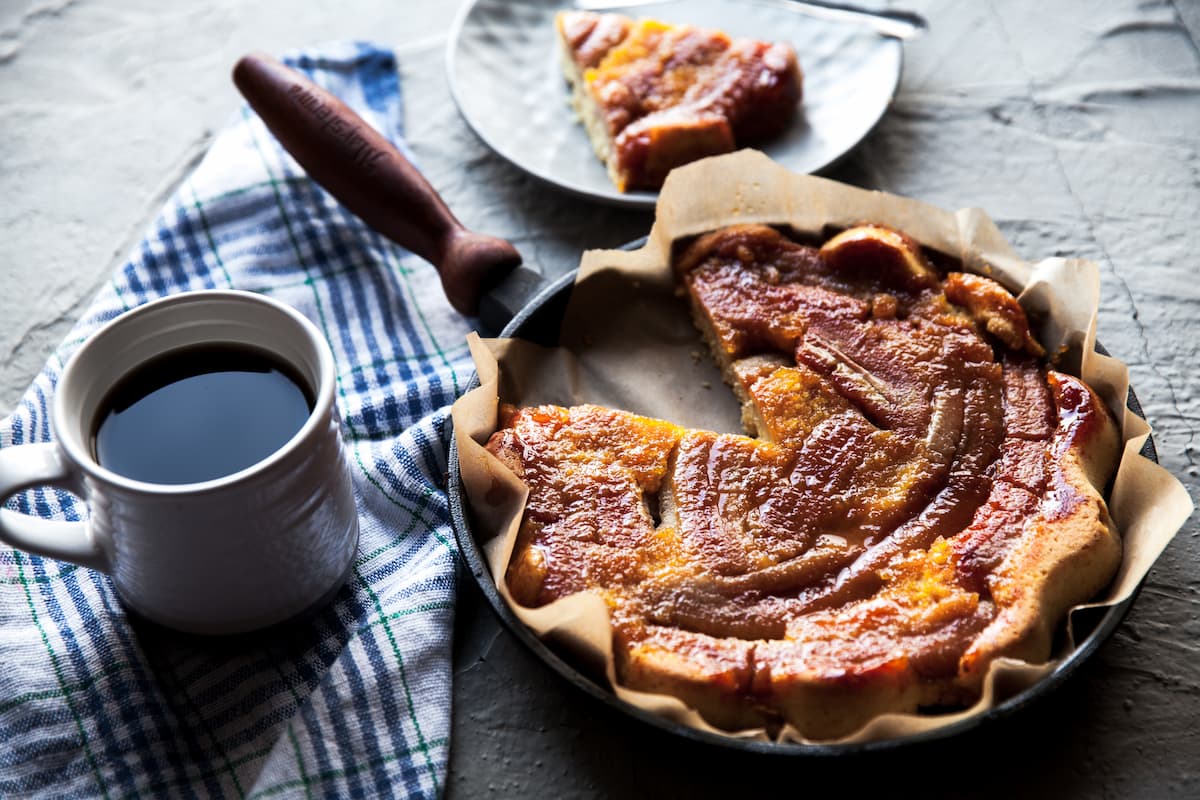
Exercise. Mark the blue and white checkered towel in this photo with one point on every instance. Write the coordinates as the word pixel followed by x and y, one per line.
pixel 357 704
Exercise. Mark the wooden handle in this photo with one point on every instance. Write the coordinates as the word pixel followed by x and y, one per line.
pixel 370 177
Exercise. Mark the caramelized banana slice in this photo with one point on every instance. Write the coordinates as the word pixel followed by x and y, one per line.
pixel 996 311
pixel 880 255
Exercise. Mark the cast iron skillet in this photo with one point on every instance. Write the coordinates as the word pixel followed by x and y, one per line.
pixel 481 275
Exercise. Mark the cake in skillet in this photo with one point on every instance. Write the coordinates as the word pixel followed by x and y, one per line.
pixel 654 96
pixel 919 493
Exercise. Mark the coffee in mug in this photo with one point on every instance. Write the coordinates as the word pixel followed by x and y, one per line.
pixel 202 433
pixel 199 413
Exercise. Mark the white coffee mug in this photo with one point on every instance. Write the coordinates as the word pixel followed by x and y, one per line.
pixel 227 555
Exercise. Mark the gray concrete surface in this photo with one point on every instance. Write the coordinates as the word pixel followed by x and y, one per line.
pixel 1074 124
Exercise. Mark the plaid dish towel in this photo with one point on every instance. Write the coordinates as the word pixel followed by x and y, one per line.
pixel 355 704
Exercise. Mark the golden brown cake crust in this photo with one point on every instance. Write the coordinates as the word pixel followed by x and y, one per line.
pixel 654 96
pixel 923 497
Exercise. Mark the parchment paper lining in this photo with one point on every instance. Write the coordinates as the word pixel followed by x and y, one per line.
pixel 628 342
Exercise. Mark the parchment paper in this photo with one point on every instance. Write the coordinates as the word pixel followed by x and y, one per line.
pixel 628 342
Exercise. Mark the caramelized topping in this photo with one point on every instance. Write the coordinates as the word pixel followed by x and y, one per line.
pixel 906 437
pixel 997 311
pixel 669 94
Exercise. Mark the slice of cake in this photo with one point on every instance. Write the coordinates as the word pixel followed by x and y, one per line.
pixel 654 96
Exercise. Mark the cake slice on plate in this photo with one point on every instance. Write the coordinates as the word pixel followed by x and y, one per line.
pixel 654 96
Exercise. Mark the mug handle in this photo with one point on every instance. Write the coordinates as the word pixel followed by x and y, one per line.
pixel 28 465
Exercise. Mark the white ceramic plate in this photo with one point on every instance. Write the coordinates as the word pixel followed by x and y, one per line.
pixel 505 76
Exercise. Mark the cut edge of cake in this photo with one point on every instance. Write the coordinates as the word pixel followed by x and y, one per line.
pixel 584 105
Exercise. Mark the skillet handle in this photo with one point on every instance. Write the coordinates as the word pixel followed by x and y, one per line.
pixel 362 169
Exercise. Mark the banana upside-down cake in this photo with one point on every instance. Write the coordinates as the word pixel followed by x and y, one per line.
pixel 919 495
pixel 654 96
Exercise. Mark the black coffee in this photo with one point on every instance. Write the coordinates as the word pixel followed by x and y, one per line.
pixel 199 413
